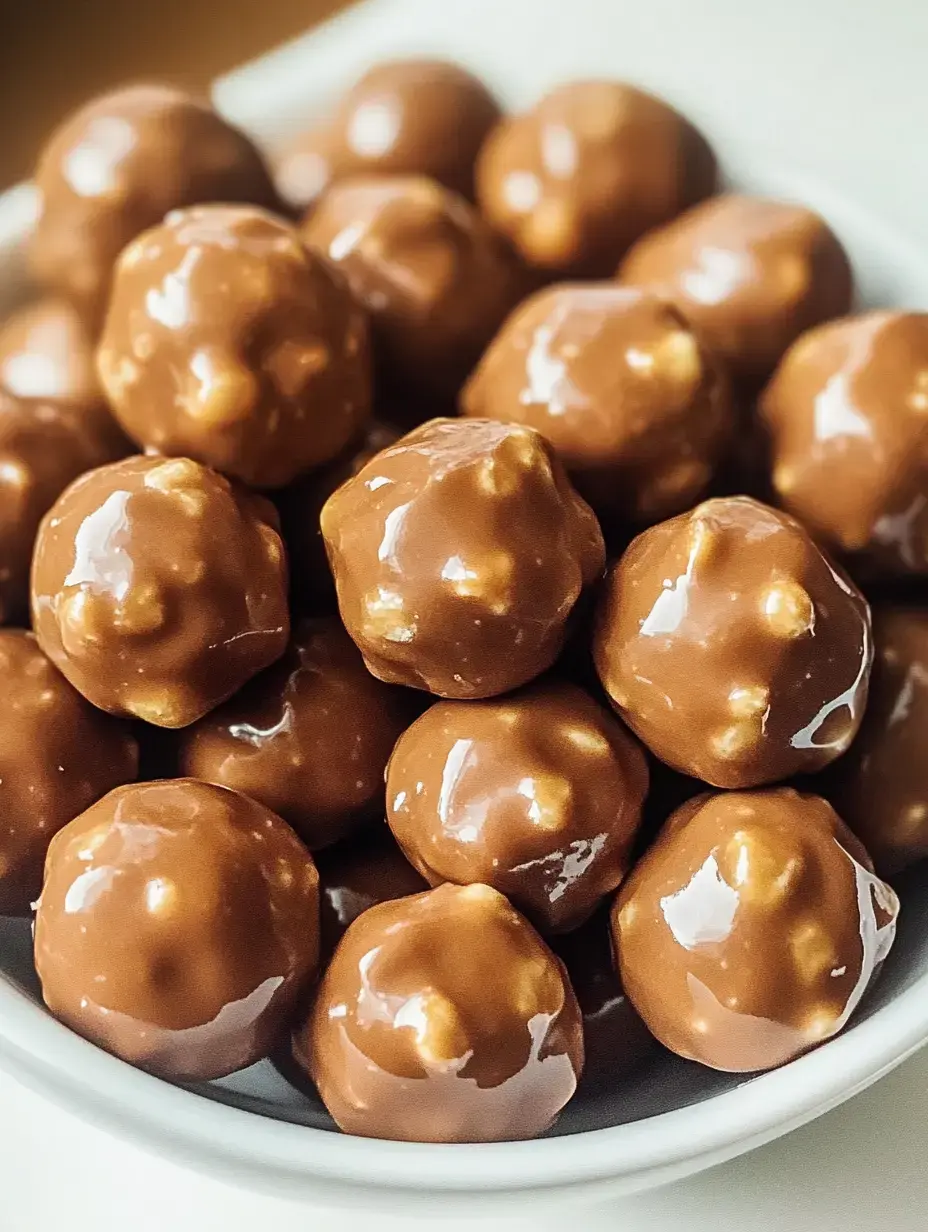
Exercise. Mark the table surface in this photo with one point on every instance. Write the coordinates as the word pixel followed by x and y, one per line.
pixel 859 1168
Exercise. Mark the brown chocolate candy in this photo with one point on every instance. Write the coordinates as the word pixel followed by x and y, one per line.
pixel 751 929
pixel 592 166
pixel 434 278
pixel 177 925
pixel 880 786
pixel 403 117
pixel 733 647
pixel 637 409
pixel 117 166
pixel 458 554
pixel 538 795
pixel 750 274
pixel 57 755
pixel 227 341
pixel 847 416
pixel 43 447
pixel 443 1018
pixel 309 738
pixel 158 589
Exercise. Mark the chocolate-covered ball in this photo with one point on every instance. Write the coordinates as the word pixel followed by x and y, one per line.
pixel 57 755
pixel 751 929
pixel 750 274
pixel 403 117
pixel 847 417
pixel 443 1018
pixel 309 738
pixel 458 554
pixel 117 166
pixel 880 786
pixel 538 795
pixel 733 647
pixel 592 166
pixel 177 925
pixel 638 410
pixel 43 447
pixel 158 588
pixel 228 341
pixel 434 278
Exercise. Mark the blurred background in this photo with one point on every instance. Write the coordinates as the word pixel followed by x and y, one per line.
pixel 56 53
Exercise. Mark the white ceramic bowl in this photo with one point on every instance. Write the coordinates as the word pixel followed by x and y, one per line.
pixel 779 89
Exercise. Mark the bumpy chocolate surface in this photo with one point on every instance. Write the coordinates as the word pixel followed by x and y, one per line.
pixel 434 278
pixel 750 274
pixel 580 176
pixel 117 166
pixel 403 117
pixel 847 416
pixel 228 341
pixel 158 588
pixel 458 554
pixel 637 409
pixel 57 755
pixel 538 795
pixel 752 928
pixel 43 447
pixel 733 647
pixel 443 1018
pixel 881 786
pixel 309 738
pixel 177 924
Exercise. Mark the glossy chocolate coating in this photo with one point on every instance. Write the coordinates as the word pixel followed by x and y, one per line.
pixel 752 928
pixel 847 417
pixel 227 341
pixel 591 167
pixel 117 166
pixel 637 409
pixel 458 554
pixel 538 795
pixel 177 924
pixel 750 274
pixel 403 117
pixel 443 1018
pixel 158 589
pixel 43 447
pixel 733 647
pixel 880 786
pixel 309 738
pixel 358 874
pixel 434 278
pixel 57 755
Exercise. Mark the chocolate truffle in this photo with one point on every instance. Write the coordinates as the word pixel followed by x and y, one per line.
pixel 443 1018
pixel 43 448
pixel 881 785
pixel 158 589
pixel 57 755
pixel 229 342
pixel 750 275
pixel 847 417
pixel 434 278
pixel 403 117
pixel 538 795
pixel 458 554
pixel 637 409
pixel 116 167
pixel 733 647
pixel 178 922
pixel 592 166
pixel 751 929
pixel 356 875
pixel 309 738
